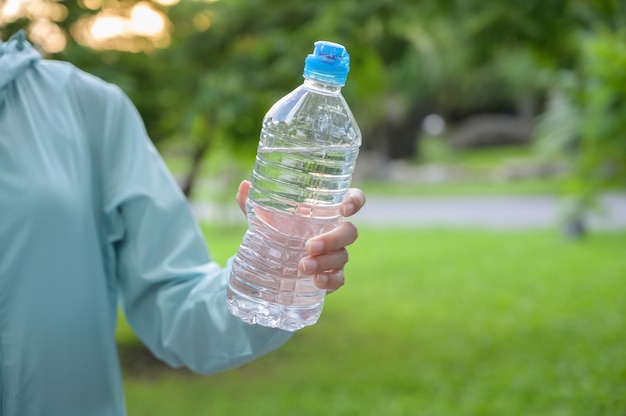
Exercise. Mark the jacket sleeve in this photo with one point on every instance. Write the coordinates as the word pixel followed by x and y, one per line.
pixel 172 293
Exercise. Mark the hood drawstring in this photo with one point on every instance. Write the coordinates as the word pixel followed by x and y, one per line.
pixel 16 55
pixel 20 38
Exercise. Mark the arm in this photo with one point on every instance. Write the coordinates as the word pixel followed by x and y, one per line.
pixel 172 293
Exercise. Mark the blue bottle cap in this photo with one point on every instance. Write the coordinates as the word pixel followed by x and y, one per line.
pixel 329 63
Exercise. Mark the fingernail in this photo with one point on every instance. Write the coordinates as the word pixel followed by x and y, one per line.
pixel 309 265
pixel 322 279
pixel 348 209
pixel 314 247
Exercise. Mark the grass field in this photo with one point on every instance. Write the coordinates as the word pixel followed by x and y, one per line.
pixel 221 173
pixel 433 322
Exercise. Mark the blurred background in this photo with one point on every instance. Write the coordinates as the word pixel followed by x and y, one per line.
pixel 489 275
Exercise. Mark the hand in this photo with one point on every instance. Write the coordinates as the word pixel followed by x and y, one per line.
pixel 327 252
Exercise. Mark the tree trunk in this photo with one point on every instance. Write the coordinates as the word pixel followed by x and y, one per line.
pixel 402 136
pixel 575 228
pixel 196 164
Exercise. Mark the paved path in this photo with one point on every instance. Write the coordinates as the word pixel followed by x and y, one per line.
pixel 501 212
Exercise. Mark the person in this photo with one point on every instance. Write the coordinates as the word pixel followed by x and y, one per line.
pixel 90 219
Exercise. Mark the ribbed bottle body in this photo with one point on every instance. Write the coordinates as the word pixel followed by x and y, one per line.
pixel 305 160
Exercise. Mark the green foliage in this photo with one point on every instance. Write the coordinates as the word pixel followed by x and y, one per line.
pixel 604 108
pixel 247 54
pixel 586 119
pixel 227 62
pixel 429 322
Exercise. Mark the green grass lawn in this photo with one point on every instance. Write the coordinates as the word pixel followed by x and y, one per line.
pixel 221 173
pixel 480 165
pixel 433 322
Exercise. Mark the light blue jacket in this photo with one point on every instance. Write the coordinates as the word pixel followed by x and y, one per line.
pixel 90 216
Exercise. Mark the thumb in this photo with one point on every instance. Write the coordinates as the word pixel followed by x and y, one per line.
pixel 242 195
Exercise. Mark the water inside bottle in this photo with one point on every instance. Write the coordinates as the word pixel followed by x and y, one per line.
pixel 295 195
pixel 307 152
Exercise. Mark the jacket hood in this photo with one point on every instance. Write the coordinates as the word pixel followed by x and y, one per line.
pixel 16 55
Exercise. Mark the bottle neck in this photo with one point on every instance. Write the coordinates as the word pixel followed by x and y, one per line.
pixel 322 86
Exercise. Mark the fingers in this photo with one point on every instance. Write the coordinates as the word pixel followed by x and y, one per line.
pixel 242 194
pixel 336 239
pixel 325 262
pixel 330 280
pixel 328 256
pixel 353 202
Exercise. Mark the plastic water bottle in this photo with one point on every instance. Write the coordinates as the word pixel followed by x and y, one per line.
pixel 307 152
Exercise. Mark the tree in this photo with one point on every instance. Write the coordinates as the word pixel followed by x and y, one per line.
pixel 206 77
pixel 586 115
